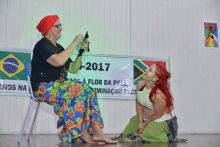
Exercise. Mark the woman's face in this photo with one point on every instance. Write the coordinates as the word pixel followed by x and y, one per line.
pixel 55 31
pixel 150 73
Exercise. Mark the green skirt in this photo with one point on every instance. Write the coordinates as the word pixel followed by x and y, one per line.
pixel 153 132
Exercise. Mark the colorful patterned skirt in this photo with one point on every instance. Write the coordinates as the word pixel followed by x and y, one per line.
pixel 74 102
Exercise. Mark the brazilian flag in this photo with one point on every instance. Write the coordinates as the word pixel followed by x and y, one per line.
pixel 12 65
pixel 139 70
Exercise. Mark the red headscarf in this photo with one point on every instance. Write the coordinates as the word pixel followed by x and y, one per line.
pixel 46 24
pixel 162 84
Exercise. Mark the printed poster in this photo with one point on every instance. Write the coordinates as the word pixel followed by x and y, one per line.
pixel 211 35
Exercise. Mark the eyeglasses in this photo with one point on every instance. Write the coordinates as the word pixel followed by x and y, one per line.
pixel 58 26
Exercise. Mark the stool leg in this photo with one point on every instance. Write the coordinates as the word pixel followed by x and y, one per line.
pixel 70 138
pixel 35 115
pixel 22 129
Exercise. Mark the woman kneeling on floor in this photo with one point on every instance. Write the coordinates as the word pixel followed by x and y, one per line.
pixel 154 104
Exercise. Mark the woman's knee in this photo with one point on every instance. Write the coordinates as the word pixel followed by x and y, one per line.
pixel 134 119
pixel 154 129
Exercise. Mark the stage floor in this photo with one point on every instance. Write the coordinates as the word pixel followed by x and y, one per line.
pixel 53 141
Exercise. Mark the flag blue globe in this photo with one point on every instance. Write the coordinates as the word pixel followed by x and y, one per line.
pixel 10 65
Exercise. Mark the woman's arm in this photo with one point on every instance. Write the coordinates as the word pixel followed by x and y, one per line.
pixel 74 66
pixel 139 111
pixel 61 58
pixel 64 55
pixel 139 107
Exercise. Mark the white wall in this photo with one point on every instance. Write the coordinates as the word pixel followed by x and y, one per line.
pixel 153 28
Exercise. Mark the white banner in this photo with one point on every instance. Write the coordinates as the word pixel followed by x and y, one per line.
pixel 13 86
pixel 110 75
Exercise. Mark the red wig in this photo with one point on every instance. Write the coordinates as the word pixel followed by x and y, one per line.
pixel 162 84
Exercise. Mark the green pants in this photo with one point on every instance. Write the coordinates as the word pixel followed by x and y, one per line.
pixel 154 131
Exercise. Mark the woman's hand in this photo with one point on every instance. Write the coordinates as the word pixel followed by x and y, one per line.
pixel 85 46
pixel 78 39
pixel 141 127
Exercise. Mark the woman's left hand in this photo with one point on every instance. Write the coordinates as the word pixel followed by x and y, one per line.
pixel 142 128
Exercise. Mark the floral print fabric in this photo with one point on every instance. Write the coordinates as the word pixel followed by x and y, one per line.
pixel 74 102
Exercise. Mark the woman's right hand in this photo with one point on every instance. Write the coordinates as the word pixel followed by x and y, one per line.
pixel 78 39
pixel 140 127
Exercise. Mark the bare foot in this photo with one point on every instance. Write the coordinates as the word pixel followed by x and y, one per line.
pixel 103 138
pixel 88 139
pixel 92 142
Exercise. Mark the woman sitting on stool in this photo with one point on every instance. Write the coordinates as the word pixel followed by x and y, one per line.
pixel 74 102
